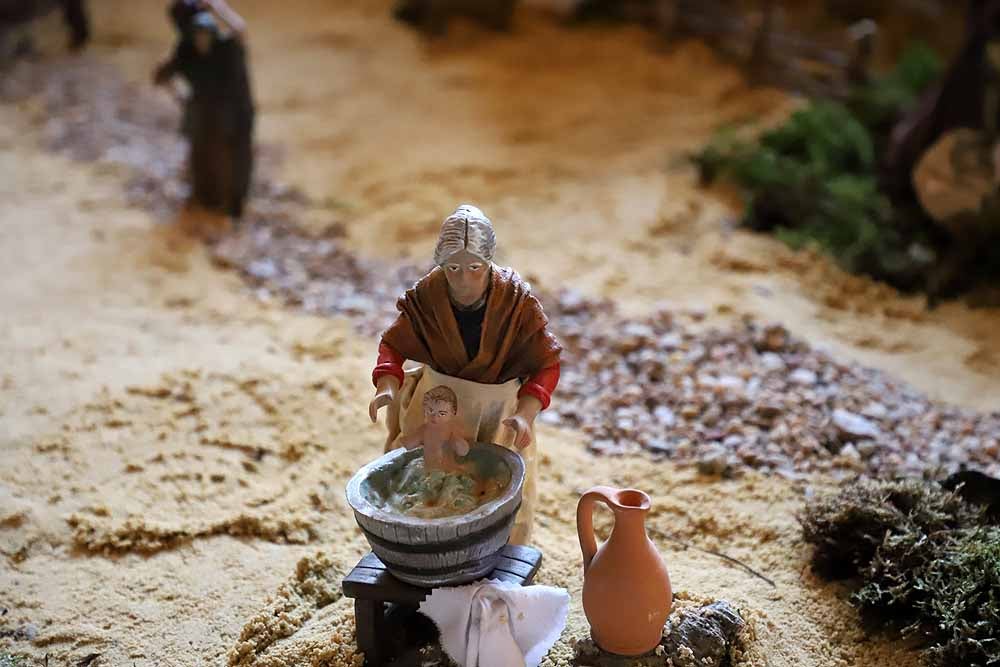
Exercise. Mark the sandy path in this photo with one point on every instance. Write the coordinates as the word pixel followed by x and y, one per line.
pixel 175 447
pixel 569 140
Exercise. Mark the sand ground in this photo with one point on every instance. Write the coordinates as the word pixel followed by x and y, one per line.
pixel 172 448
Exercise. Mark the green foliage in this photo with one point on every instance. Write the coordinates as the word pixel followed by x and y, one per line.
pixel 813 180
pixel 879 102
pixel 927 564
pixel 8 660
pixel 825 138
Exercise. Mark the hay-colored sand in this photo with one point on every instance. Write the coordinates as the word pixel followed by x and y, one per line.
pixel 174 452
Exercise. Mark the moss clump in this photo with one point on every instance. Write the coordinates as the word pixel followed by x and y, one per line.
pixel 814 179
pixel 964 582
pixel 848 528
pixel 927 563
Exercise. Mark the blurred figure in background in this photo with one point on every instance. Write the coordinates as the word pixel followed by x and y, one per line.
pixel 218 119
pixel 14 13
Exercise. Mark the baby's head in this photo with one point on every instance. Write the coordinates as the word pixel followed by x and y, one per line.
pixel 440 405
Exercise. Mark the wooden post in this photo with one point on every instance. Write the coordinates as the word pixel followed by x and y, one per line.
pixel 369 616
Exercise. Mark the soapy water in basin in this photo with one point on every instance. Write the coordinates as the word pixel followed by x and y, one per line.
pixel 414 491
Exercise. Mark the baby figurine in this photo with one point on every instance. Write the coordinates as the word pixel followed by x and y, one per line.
pixel 441 433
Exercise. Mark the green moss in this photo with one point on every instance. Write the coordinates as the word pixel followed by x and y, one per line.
pixel 814 179
pixel 964 599
pixel 927 565
pixel 848 528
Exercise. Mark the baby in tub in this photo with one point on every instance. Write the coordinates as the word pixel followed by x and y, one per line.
pixel 438 484
pixel 441 433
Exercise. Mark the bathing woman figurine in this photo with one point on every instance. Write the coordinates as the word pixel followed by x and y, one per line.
pixel 474 327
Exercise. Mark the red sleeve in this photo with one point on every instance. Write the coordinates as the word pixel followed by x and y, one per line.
pixel 389 362
pixel 541 385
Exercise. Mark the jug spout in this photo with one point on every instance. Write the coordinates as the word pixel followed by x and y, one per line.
pixel 629 506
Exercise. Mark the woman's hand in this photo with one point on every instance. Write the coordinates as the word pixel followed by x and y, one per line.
pixel 523 420
pixel 522 430
pixel 385 394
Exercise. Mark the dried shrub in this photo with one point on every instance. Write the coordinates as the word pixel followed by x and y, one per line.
pixel 928 566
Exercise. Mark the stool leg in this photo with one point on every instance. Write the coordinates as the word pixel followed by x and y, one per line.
pixel 369 617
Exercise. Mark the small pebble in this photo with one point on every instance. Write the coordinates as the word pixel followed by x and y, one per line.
pixel 850 425
pixel 803 376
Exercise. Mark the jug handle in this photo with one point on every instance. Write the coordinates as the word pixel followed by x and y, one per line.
pixel 585 519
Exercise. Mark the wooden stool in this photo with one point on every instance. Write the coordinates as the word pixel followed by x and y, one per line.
pixel 376 592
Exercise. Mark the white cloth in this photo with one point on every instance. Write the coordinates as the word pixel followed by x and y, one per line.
pixel 497 624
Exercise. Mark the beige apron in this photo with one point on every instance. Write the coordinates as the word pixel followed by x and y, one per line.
pixel 482 409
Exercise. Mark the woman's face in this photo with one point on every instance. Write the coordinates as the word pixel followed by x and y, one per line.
pixel 467 277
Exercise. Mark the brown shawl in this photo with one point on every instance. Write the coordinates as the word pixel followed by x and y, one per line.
pixel 514 343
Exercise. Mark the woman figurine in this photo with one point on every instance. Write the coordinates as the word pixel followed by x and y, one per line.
pixel 218 115
pixel 476 328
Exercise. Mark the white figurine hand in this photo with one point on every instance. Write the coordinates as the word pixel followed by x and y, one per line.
pixel 522 430
pixel 385 394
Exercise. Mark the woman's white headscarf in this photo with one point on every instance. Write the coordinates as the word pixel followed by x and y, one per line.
pixel 469 229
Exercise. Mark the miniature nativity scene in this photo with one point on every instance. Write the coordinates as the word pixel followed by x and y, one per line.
pixel 448 505
pixel 714 384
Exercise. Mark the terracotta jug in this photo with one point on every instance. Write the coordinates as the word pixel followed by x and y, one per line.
pixel 626 588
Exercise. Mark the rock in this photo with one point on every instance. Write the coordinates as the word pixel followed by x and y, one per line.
pixel 772 362
pixel 670 341
pixel 768 411
pixel 733 440
pixel 664 416
pixel 263 269
pixel 848 457
pixel 690 411
pixel 702 637
pixel 851 426
pixel 730 383
pixel 952 196
pixel 867 448
pixel 661 446
pixel 714 461
pixel 712 416
pixel 992 449
pixel 875 410
pixel 773 338
pixel 699 637
pixel 28 632
pixel 803 376
pixel 572 302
